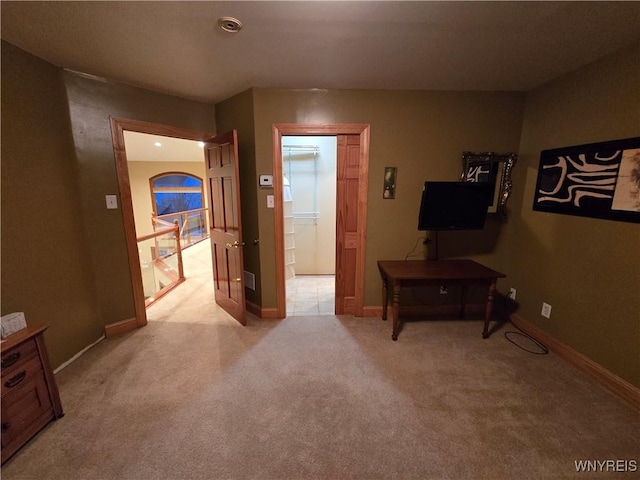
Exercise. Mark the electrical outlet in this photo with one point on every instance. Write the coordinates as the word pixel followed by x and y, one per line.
pixel 512 293
pixel 443 290
pixel 546 310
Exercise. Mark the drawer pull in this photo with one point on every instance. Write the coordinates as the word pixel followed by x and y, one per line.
pixel 16 379
pixel 10 359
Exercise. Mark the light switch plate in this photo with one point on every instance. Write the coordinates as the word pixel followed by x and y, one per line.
pixel 112 202
pixel 270 201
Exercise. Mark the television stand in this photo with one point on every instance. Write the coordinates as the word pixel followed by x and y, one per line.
pixel 397 274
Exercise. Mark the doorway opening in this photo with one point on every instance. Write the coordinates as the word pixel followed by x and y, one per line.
pixel 167 192
pixel 309 211
pixel 118 128
pixel 352 177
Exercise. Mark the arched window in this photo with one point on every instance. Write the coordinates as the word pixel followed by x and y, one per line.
pixel 176 192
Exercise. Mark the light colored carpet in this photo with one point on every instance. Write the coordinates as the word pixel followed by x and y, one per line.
pixel 194 395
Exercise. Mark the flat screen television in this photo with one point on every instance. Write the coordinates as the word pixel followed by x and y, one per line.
pixel 454 206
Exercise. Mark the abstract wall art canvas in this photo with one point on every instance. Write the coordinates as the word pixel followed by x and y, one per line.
pixel 600 180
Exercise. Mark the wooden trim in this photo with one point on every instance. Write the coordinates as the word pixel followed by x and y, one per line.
pixel 278 131
pixel 184 212
pixel 608 379
pixel 269 314
pixel 121 327
pixel 154 298
pixel 118 127
pixel 159 129
pixel 449 309
pixel 179 251
pixel 278 220
pixel 16 338
pixel 252 308
pixel 176 190
pixel 302 129
pixel 163 231
pixel 263 313
pixel 52 386
pixel 370 311
pixel 363 192
pixel 126 203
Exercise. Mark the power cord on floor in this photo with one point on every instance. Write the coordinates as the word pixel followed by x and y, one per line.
pixel 543 348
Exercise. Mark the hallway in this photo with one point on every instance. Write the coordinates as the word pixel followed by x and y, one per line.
pixel 306 294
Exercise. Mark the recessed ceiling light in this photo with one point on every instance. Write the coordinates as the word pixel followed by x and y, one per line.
pixel 158 144
pixel 230 24
pixel 201 144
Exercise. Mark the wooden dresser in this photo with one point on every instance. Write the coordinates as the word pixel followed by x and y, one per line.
pixel 30 398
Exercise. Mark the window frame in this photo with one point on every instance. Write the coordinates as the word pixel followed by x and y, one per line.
pixel 154 206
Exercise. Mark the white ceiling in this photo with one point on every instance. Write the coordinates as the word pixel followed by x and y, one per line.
pixel 176 47
pixel 141 147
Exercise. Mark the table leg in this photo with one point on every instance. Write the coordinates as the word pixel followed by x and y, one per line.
pixel 463 300
pixel 385 298
pixel 489 308
pixel 396 310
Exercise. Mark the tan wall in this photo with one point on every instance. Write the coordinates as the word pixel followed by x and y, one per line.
pixel 64 258
pixel 45 267
pixel 587 269
pixel 139 175
pixel 423 134
pixel 91 102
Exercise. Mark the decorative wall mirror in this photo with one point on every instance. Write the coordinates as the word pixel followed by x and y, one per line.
pixel 495 169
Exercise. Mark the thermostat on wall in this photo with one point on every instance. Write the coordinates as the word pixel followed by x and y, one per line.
pixel 266 180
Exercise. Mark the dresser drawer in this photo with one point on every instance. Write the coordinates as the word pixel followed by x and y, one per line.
pixel 30 398
pixel 17 356
pixel 13 378
pixel 25 411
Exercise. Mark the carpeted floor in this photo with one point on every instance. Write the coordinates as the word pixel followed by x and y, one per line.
pixel 194 395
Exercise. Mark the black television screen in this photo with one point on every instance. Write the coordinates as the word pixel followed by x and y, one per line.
pixel 454 206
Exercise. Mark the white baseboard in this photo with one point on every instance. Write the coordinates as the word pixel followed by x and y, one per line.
pixel 77 355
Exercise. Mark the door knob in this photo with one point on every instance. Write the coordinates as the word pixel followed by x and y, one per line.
pixel 235 244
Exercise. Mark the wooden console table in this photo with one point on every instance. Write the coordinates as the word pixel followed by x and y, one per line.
pixel 413 273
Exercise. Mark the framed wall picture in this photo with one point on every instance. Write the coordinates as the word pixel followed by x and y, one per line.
pixel 599 180
pixel 492 168
pixel 389 191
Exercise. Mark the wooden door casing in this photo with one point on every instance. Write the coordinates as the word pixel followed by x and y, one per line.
pixel 351 218
pixel 118 127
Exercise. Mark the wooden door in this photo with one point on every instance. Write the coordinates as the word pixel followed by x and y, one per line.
pixel 223 188
pixel 349 226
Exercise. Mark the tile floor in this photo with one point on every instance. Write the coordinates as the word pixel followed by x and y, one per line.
pixel 310 295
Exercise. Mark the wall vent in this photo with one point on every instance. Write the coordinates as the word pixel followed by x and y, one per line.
pixel 249 280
